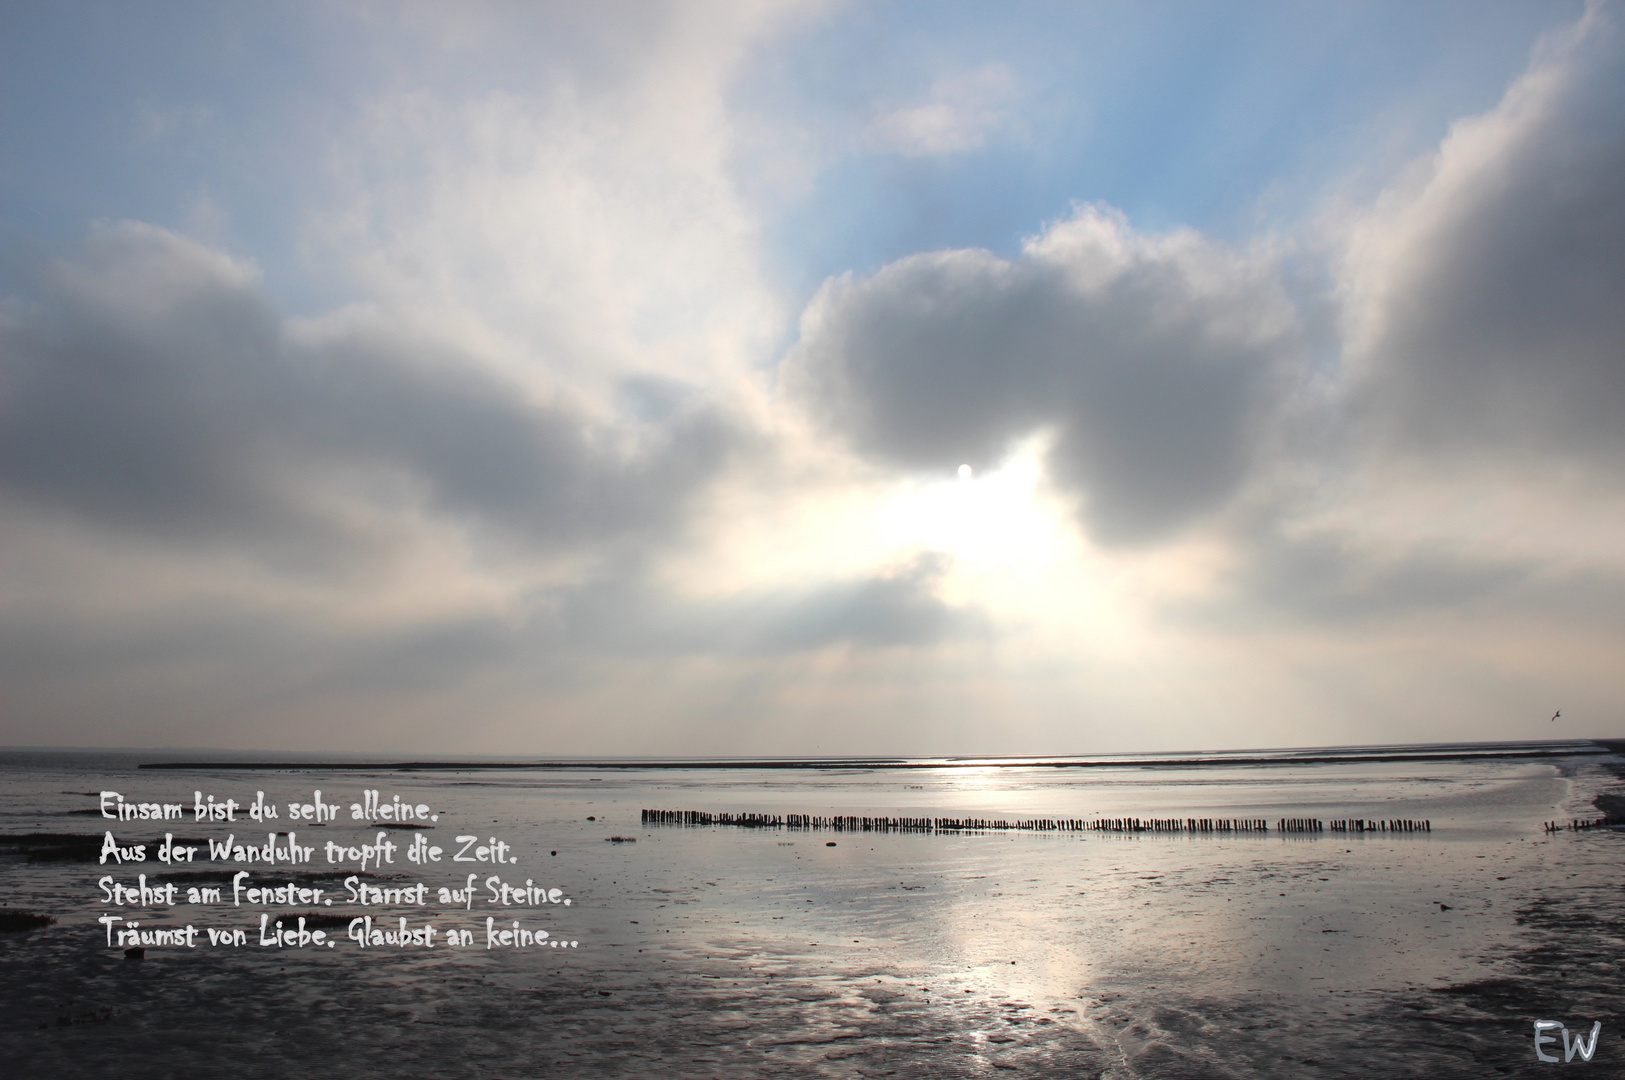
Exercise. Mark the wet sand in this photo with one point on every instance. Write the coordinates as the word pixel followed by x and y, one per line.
pixel 717 952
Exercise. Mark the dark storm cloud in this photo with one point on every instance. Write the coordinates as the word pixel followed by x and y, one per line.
pixel 1155 363
pixel 149 389
pixel 1496 289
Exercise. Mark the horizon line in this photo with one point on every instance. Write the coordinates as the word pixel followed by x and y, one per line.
pixel 1208 758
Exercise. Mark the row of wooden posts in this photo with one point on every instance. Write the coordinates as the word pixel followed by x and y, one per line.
pixel 1399 825
pixel 1113 825
pixel 1582 824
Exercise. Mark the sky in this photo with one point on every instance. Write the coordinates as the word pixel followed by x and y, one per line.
pixel 810 378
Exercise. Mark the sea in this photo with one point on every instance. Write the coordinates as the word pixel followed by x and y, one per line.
pixel 1387 911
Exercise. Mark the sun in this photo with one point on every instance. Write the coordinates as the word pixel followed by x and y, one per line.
pixel 984 519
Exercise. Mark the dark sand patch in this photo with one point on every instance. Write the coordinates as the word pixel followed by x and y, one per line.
pixel 13 922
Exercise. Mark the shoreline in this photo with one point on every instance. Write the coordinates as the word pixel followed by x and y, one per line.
pixel 1329 755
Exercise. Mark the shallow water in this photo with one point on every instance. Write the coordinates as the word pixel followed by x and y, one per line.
pixel 722 952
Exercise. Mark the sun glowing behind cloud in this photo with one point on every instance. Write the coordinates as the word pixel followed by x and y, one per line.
pixel 514 408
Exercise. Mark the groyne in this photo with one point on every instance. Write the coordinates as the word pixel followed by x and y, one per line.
pixel 1585 824
pixel 1185 826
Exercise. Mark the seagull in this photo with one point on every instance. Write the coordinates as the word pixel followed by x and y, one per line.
pixel 1555 715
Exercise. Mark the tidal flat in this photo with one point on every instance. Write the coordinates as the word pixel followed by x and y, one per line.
pixel 721 951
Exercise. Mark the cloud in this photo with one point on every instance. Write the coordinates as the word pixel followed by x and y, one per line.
pixel 962 112
pixel 524 483
pixel 553 186
pixel 1482 293
pixel 221 511
pixel 232 668
pixel 1469 451
pixel 1156 362
pixel 896 607
pixel 1341 579
pixel 151 389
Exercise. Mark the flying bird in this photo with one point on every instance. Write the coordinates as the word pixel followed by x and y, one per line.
pixel 1555 715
